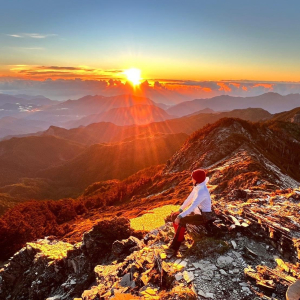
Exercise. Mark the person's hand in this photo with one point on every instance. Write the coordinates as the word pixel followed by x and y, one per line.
pixel 177 220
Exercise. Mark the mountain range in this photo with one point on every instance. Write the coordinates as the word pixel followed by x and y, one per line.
pixel 60 163
pixel 132 115
pixel 108 132
pixel 237 154
pixel 37 113
pixel 254 178
pixel 272 102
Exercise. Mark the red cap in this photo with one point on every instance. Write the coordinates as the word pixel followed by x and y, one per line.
pixel 199 175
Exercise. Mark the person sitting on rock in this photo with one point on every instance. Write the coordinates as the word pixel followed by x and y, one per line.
pixel 195 210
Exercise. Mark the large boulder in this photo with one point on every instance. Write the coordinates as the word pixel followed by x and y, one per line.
pixel 127 246
pixel 97 242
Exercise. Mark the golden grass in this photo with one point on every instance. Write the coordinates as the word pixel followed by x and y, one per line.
pixel 53 251
pixel 153 218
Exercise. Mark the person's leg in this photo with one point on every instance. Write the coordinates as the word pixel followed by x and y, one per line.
pixel 180 232
pixel 174 216
pixel 194 220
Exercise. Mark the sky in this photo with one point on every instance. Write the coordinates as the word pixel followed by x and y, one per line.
pixel 187 46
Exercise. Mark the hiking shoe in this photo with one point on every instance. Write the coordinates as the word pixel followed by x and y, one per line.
pixel 170 251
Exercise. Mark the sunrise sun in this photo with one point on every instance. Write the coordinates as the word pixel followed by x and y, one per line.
pixel 133 75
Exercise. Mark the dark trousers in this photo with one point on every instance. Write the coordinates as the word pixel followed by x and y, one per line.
pixel 181 227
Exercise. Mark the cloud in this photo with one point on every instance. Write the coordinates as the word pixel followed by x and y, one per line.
pixel 15 35
pixel 65 82
pixel 224 87
pixel 32 35
pixel 84 72
pixel 114 71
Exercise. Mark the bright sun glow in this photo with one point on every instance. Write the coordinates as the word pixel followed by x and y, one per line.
pixel 133 75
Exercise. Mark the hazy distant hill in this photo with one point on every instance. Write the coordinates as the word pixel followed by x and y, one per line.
pixel 120 110
pixel 187 108
pixel 16 126
pixel 292 116
pixel 108 132
pixel 72 110
pixel 23 157
pixel 136 114
pixel 271 102
pixel 117 160
pixel 22 105
pixel 97 104
pixel 26 99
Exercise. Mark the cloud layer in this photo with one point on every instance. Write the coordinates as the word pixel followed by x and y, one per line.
pixel 65 82
pixel 166 91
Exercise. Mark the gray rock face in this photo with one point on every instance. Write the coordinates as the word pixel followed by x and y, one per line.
pixel 126 246
pixel 58 270
pixel 98 241
pixel 127 281
pixel 224 261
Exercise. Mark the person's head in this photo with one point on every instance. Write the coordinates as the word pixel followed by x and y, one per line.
pixel 198 176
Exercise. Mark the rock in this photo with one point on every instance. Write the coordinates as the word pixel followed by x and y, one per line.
pixel 243 284
pixel 188 276
pixel 56 297
pixel 126 280
pixel 197 265
pixel 205 265
pixel 178 276
pixel 237 254
pixel 234 245
pixel 126 246
pixel 207 275
pixel 222 272
pixel 182 264
pixel 250 252
pixel 201 293
pixel 210 295
pixel 224 261
pixel 246 290
pixel 102 236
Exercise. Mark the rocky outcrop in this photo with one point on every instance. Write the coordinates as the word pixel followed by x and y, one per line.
pixel 127 246
pixel 51 268
pixel 98 241
pixel 252 257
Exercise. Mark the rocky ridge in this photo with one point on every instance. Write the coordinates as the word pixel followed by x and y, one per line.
pixel 250 252
pixel 240 256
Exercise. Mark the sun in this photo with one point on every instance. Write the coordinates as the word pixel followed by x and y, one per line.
pixel 133 75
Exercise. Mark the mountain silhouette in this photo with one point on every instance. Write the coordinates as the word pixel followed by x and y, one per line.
pixel 116 160
pixel 272 102
pixel 136 114
pixel 23 157
pixel 108 132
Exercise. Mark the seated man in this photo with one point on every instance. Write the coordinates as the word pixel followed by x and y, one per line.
pixel 195 210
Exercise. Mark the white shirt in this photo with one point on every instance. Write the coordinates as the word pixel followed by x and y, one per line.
pixel 198 198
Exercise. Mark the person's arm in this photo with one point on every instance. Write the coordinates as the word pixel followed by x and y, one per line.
pixel 187 201
pixel 196 201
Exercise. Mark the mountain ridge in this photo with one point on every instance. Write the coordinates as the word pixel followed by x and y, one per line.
pixel 272 102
